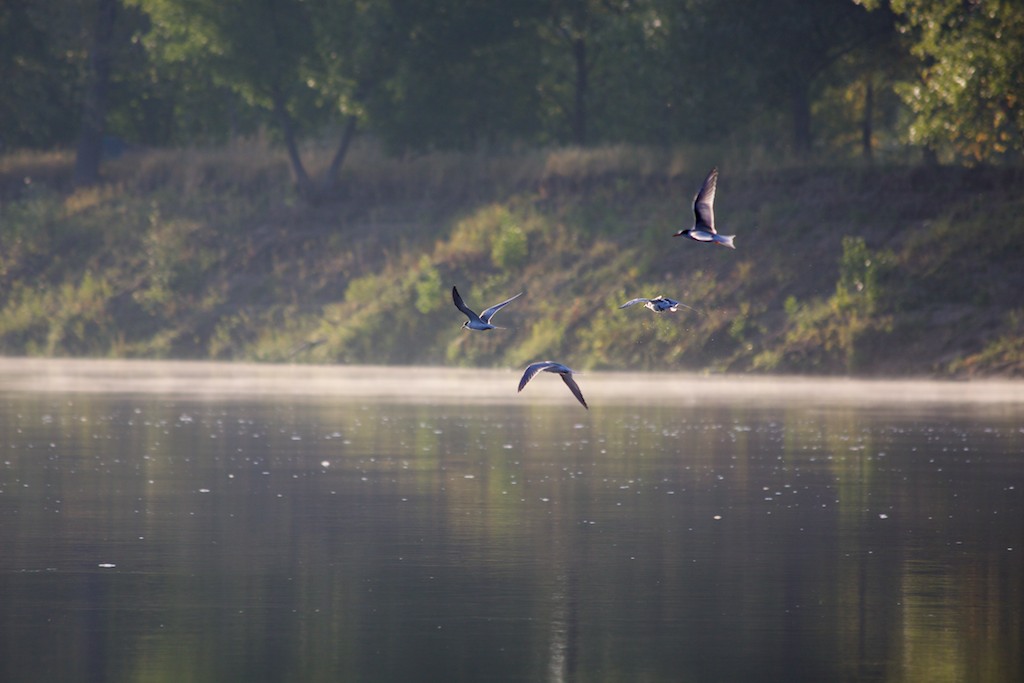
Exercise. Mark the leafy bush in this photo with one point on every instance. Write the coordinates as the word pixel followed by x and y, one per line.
pixel 428 287
pixel 841 332
pixel 510 247
pixel 545 340
pixel 26 230
pixel 70 319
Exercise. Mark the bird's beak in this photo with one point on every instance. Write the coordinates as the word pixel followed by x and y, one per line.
pixel 679 234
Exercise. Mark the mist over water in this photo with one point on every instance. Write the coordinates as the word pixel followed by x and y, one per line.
pixel 190 521
pixel 433 385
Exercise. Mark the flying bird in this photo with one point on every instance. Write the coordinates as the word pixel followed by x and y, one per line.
pixel 658 304
pixel 703 229
pixel 558 368
pixel 482 321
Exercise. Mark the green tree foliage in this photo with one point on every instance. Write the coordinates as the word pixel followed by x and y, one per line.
pixel 258 50
pixel 303 64
pixel 799 75
pixel 584 44
pixel 968 96
pixel 38 106
pixel 462 74
pixel 180 94
pixel 791 49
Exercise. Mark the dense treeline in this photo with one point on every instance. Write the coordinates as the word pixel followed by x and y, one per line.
pixel 790 77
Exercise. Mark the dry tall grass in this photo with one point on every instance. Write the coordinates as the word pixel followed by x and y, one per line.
pixel 258 167
pixel 370 174
pixel 21 169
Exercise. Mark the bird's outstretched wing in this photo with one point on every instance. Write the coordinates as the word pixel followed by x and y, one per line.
pixel 678 303
pixel 704 202
pixel 673 304
pixel 461 305
pixel 489 313
pixel 531 370
pixel 574 388
pixel 641 300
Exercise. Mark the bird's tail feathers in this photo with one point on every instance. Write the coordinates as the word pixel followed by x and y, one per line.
pixel 726 240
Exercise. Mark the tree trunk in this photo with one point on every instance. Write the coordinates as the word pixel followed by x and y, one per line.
pixel 801 104
pixel 89 151
pixel 579 122
pixel 284 120
pixel 867 130
pixel 331 174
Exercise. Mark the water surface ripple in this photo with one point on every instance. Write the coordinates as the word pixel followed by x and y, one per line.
pixel 202 522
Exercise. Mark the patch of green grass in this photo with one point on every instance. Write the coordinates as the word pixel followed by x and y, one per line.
pixel 73 318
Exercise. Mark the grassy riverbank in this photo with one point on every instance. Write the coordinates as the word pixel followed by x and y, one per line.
pixel 208 254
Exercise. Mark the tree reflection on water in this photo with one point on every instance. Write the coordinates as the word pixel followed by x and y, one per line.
pixel 324 539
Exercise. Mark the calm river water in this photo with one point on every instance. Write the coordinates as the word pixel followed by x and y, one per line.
pixel 202 523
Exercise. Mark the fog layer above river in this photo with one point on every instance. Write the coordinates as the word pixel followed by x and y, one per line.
pixel 435 384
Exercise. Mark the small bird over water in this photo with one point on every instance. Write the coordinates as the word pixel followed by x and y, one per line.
pixel 557 368
pixel 703 229
pixel 482 321
pixel 658 304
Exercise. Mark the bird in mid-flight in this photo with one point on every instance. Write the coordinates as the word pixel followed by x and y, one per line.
pixel 658 304
pixel 559 369
pixel 482 321
pixel 703 229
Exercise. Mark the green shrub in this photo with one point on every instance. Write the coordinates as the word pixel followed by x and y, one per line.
pixel 510 248
pixel 428 287
pixel 841 332
pixel 857 288
pixel 69 319
pixel 545 340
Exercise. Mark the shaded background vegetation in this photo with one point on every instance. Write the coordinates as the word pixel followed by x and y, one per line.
pixel 305 180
